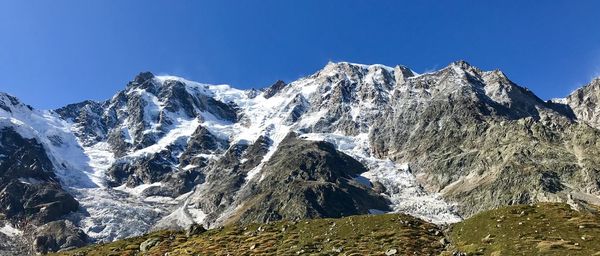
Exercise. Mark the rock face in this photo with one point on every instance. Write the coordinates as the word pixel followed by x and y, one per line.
pixel 585 103
pixel 195 229
pixel 58 236
pixel 91 126
pixel 30 192
pixel 350 139
pixel 307 179
pixel 274 89
pixel 483 141
pixel 29 189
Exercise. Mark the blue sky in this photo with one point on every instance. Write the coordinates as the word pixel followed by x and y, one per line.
pixel 58 52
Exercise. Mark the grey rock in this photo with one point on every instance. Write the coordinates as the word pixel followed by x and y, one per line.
pixel 487 239
pixel 391 252
pixel 148 244
pixel 274 89
pixel 585 103
pixel 57 236
pixel 202 141
pixel 29 189
pixel 444 241
pixel 195 229
pixel 306 179
pixel 91 126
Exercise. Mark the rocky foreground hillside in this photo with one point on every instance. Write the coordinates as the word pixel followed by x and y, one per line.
pixel 351 139
pixel 543 229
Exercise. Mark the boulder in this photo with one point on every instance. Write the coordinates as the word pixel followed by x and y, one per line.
pixel 195 229
pixel 58 236
pixel 146 245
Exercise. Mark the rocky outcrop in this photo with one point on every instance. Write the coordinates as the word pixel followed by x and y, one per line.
pixel 302 179
pixel 307 179
pixel 201 143
pixel 91 126
pixel 585 103
pixel 30 193
pixel 58 236
pixel 224 178
pixel 143 170
pixel 29 190
pixel 273 89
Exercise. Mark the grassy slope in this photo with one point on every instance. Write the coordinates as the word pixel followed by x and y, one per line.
pixel 544 229
pixel 356 235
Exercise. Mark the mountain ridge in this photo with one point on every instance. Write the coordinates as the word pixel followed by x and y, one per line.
pixel 437 146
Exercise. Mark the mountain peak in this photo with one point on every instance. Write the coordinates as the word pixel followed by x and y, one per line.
pixel 354 66
pixel 402 72
pixel 9 102
pixel 273 89
pixel 142 77
pixel 461 64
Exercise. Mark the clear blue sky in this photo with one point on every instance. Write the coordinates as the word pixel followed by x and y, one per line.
pixel 58 52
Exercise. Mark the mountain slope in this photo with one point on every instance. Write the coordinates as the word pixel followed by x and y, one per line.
pixel 542 229
pixel 307 179
pixel 484 142
pixel 350 139
pixel 32 198
pixel 356 235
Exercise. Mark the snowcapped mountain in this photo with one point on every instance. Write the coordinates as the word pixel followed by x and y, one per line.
pixel 350 139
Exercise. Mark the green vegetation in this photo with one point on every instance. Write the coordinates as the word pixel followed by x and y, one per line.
pixel 355 235
pixel 543 229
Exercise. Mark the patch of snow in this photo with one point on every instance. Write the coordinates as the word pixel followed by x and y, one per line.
pixel 137 191
pixel 10 231
pixel 189 167
pixel 182 130
pixel 197 215
pixel 160 199
pixel 30 181
pixel 220 128
pixel 100 159
pixel 559 100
